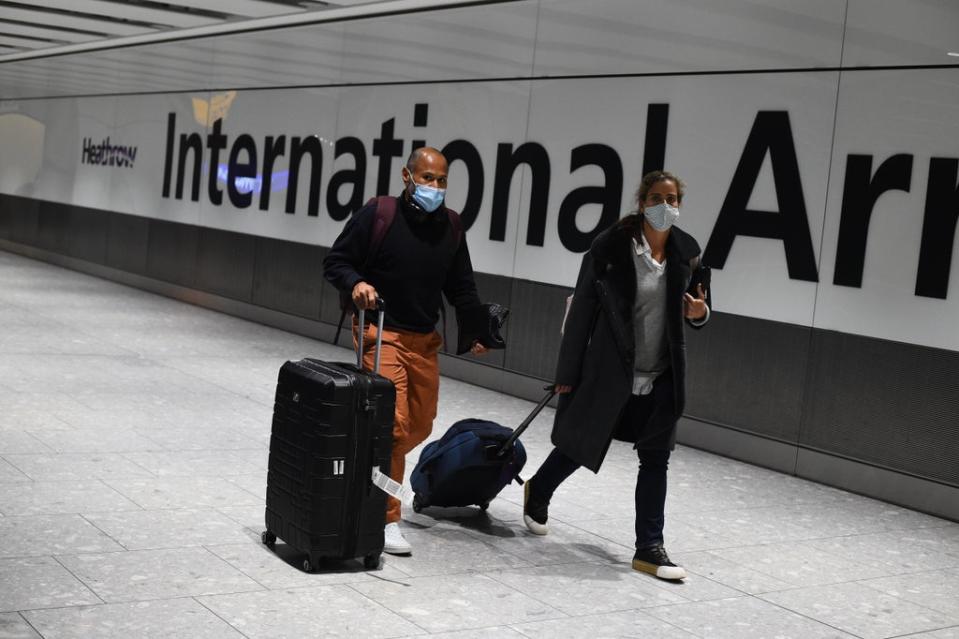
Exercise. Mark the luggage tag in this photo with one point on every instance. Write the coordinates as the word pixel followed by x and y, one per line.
pixel 392 488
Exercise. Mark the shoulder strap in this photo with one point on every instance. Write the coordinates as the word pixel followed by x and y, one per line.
pixel 382 220
pixel 456 224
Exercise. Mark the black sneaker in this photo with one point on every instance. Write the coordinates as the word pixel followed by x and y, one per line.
pixel 655 561
pixel 535 512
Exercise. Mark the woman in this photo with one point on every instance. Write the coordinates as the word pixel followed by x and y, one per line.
pixel 622 362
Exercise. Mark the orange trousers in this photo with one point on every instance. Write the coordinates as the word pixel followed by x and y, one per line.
pixel 410 361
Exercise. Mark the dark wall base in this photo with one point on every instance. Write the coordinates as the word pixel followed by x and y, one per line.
pixel 917 493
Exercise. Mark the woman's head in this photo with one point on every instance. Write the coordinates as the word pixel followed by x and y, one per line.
pixel 657 187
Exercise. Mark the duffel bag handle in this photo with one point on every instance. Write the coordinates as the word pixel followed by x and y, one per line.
pixel 380 307
pixel 508 444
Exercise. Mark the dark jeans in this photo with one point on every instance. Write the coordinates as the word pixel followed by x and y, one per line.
pixel 650 480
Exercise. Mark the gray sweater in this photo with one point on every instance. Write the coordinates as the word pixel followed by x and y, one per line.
pixel 649 319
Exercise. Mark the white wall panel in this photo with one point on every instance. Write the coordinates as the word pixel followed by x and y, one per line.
pixel 292 57
pixel 304 114
pixel 142 122
pixel 883 114
pixel 493 41
pixel 710 120
pixel 166 67
pixel 22 138
pixel 893 32
pixel 62 176
pixel 484 114
pixel 664 36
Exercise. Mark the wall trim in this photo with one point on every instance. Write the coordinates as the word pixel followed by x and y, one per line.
pixel 908 491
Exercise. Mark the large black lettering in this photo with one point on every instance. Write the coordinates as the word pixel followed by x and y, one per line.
pixel 298 148
pixel 654 147
pixel 861 190
pixel 938 228
pixel 386 147
pixel 536 158
pixel 461 150
pixel 421 114
pixel 245 170
pixel 609 195
pixel 355 177
pixel 771 133
pixel 168 158
pixel 192 142
pixel 274 149
pixel 216 141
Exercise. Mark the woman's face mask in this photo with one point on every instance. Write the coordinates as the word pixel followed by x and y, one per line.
pixel 661 216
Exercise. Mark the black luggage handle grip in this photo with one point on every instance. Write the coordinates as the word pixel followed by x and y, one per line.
pixel 380 307
pixel 529 420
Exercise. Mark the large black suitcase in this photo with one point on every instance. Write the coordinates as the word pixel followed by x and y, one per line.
pixel 332 425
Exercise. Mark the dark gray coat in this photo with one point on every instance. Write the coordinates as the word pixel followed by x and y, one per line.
pixel 597 352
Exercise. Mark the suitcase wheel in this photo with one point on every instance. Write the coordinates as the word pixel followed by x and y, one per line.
pixel 268 538
pixel 307 565
pixel 372 561
pixel 418 504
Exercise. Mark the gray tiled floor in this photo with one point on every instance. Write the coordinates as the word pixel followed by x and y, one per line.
pixel 133 444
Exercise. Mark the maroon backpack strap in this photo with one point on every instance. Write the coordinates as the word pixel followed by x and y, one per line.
pixel 456 223
pixel 382 220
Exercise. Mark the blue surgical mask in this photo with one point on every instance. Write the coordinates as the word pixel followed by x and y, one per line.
pixel 661 216
pixel 429 198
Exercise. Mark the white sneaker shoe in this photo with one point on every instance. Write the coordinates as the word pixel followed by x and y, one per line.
pixel 394 542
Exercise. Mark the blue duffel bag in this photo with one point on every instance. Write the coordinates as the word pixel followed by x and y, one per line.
pixel 473 461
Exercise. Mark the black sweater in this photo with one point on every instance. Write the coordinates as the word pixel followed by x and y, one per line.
pixel 415 265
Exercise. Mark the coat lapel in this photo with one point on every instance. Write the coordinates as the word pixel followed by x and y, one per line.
pixel 616 287
pixel 677 275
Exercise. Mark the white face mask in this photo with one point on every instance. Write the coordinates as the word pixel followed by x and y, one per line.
pixel 661 216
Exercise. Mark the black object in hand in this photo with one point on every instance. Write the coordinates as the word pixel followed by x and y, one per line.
pixel 481 324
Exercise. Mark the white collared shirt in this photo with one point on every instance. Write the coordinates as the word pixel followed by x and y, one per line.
pixel 649 318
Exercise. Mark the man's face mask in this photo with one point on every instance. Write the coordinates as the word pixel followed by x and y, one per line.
pixel 427 197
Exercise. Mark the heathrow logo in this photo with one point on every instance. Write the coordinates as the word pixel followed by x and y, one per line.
pixel 106 154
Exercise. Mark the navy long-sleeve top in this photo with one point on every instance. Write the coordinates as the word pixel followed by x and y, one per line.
pixel 416 264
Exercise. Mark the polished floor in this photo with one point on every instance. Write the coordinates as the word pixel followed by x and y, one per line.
pixel 133 445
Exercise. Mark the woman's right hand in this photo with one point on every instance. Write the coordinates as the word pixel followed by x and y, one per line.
pixel 563 389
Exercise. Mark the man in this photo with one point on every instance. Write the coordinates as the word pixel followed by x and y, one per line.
pixel 422 256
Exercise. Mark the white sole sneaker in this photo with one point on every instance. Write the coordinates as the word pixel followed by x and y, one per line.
pixel 534 526
pixel 671 573
pixel 394 543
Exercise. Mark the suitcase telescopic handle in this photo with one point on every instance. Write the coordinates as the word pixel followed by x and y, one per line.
pixel 551 391
pixel 380 307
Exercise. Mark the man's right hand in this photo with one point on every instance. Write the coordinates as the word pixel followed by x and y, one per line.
pixel 364 296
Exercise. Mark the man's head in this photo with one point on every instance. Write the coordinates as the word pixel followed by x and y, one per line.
pixel 425 176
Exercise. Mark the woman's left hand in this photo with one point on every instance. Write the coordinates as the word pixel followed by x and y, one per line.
pixel 694 308
pixel 478 349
